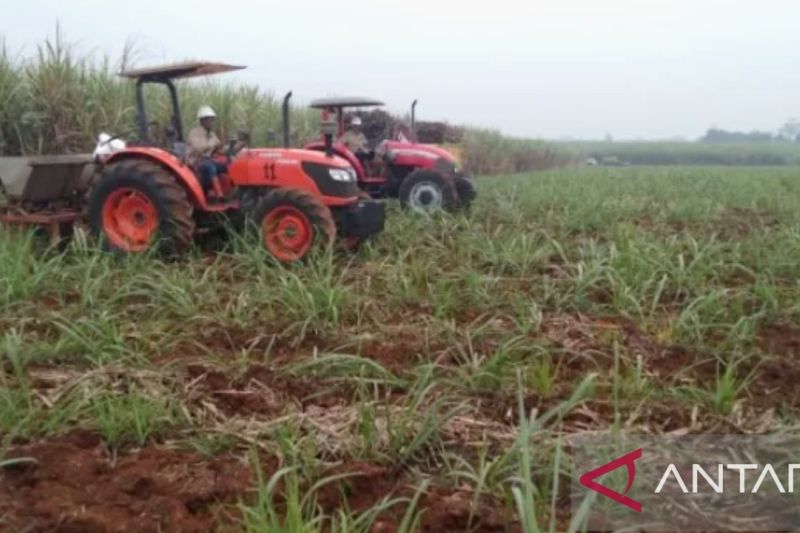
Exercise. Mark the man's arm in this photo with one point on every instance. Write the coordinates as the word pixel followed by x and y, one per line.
pixel 219 145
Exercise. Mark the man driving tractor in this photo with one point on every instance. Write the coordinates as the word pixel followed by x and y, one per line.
pixel 203 143
pixel 354 138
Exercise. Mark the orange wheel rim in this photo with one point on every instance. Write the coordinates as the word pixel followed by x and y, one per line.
pixel 130 219
pixel 288 234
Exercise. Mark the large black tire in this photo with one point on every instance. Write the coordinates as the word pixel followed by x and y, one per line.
pixel 292 223
pixel 141 181
pixel 466 191
pixel 426 191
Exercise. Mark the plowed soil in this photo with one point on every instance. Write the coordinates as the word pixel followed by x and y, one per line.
pixel 72 484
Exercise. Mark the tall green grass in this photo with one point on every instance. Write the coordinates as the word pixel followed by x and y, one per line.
pixel 453 355
pixel 489 152
pixel 690 153
pixel 59 99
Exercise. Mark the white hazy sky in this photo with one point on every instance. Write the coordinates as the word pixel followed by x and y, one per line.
pixel 556 68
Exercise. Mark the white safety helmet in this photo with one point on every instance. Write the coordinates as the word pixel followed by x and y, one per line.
pixel 205 112
pixel 107 145
pixel 355 121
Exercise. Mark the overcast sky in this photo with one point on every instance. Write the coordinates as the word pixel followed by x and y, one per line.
pixel 555 68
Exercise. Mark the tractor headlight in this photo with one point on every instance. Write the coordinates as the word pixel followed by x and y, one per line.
pixel 342 174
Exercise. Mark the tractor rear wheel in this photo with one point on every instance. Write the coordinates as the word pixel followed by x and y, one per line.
pixel 426 191
pixel 292 223
pixel 137 206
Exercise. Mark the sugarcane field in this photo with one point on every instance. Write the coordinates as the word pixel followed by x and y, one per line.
pixel 400 267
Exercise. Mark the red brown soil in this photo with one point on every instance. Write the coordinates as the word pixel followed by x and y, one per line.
pixel 775 376
pixel 590 340
pixel 402 348
pixel 781 339
pixel 584 344
pixel 448 510
pixel 223 340
pixel 394 356
pixel 75 486
pixel 443 508
pixel 260 390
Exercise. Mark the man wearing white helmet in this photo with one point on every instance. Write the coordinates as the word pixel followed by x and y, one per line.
pixel 203 143
pixel 354 138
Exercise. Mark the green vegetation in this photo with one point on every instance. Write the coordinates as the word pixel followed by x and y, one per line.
pixel 59 100
pixel 443 367
pixel 773 153
pixel 489 152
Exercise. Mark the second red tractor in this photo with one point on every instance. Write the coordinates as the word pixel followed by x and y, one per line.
pixel 423 177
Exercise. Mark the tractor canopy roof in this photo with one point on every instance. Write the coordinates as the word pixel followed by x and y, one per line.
pixel 187 69
pixel 344 101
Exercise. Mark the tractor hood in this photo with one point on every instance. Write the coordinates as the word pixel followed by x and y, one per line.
pixel 418 155
pixel 332 177
pixel 310 156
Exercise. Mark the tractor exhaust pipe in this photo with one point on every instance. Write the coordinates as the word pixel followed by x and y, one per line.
pixel 329 127
pixel 286 127
pixel 414 120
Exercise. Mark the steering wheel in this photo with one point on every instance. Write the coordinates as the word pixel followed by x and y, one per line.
pixel 231 149
pixel 242 138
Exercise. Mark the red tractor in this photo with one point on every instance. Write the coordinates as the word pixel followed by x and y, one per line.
pixel 424 177
pixel 144 195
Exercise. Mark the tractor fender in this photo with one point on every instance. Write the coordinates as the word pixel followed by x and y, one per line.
pixel 408 158
pixel 412 157
pixel 182 172
pixel 420 150
pixel 420 156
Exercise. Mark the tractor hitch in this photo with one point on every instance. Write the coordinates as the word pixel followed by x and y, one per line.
pixel 361 220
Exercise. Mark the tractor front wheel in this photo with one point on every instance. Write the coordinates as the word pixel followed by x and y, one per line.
pixel 292 223
pixel 137 206
pixel 426 191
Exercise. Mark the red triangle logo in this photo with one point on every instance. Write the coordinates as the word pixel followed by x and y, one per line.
pixel 628 460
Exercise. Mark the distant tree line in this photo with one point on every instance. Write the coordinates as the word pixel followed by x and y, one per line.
pixel 789 132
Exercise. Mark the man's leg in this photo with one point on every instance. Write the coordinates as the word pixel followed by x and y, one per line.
pixel 208 171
